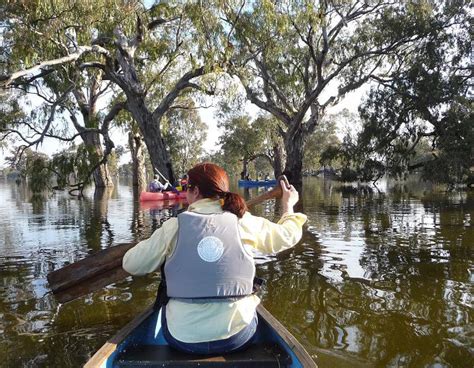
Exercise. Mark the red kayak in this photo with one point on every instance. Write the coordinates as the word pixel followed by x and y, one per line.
pixel 161 196
pixel 159 205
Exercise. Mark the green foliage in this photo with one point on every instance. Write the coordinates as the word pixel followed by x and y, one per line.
pixel 125 170
pixel 335 152
pixel 290 55
pixel 85 159
pixel 321 141
pixel 39 175
pixel 239 141
pixel 63 165
pixel 221 159
pixel 243 141
pixel 33 166
pixel 287 54
pixel 113 160
pixel 183 36
pixel 73 165
pixel 453 147
pixel 184 134
pixel 421 116
pixel 260 169
pixel 10 110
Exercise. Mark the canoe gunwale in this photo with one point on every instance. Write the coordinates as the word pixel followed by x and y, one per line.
pixel 287 337
pixel 110 346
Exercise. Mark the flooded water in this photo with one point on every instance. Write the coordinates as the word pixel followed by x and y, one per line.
pixel 381 278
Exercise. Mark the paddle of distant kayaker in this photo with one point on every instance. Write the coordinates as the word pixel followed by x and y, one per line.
pixel 209 274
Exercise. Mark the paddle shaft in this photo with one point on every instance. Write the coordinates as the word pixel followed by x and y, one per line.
pixel 162 176
pixel 105 267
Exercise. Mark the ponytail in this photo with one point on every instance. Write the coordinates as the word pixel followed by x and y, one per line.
pixel 234 203
pixel 213 182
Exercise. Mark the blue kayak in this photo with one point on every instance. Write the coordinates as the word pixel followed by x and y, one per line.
pixel 141 344
pixel 257 183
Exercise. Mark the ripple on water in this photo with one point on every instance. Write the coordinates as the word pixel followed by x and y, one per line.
pixel 382 277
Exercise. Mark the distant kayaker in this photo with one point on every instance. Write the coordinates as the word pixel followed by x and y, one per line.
pixel 184 182
pixel 209 272
pixel 156 186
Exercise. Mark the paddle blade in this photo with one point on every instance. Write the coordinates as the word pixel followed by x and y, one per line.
pixel 276 192
pixel 91 266
pixel 91 285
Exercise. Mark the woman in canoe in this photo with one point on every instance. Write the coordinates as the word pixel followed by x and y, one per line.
pixel 209 273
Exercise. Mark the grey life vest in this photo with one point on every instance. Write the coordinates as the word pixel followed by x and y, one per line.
pixel 209 260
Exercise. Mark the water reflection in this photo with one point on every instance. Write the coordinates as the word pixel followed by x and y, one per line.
pixel 390 278
pixel 382 277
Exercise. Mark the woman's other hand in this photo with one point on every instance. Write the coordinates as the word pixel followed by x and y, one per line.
pixel 289 197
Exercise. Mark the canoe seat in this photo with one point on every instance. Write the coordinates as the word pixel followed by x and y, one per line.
pixel 256 355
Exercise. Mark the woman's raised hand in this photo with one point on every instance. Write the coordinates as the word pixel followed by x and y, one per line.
pixel 289 197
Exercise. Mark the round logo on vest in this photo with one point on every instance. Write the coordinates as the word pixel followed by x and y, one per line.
pixel 210 249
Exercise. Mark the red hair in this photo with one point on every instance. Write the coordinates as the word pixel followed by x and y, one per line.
pixel 213 182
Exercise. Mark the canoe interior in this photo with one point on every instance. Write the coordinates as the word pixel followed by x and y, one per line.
pixel 145 346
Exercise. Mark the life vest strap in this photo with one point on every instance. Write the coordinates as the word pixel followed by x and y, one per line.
pixel 162 298
pixel 215 299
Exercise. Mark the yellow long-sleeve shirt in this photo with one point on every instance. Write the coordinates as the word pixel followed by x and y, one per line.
pixel 193 323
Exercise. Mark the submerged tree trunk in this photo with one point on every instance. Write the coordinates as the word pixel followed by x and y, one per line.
pixel 159 155
pixel 294 147
pixel 278 156
pixel 138 161
pixel 102 177
pixel 87 104
pixel 150 129
pixel 245 170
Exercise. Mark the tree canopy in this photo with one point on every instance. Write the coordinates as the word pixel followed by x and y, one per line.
pixel 425 99
pixel 148 55
pixel 185 134
pixel 306 56
pixel 87 62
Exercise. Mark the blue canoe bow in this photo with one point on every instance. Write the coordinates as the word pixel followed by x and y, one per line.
pixel 257 183
pixel 141 344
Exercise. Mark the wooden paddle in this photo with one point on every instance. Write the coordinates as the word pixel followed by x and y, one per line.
pixel 167 181
pixel 105 267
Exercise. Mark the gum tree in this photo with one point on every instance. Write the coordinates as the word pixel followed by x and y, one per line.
pixel 245 140
pixel 66 99
pixel 419 116
pixel 150 56
pixel 297 58
pixel 185 134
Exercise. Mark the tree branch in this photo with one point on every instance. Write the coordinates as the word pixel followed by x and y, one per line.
pixel 58 102
pixel 199 88
pixel 6 80
pixel 92 64
pixel 174 93
pixel 267 79
pixel 60 137
pixel 114 111
pixel 267 106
